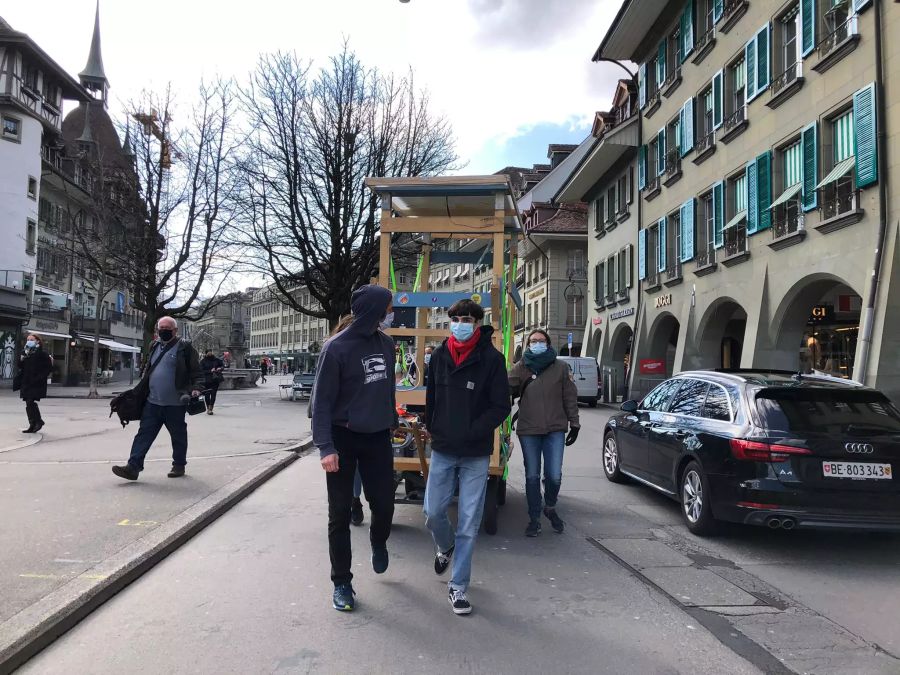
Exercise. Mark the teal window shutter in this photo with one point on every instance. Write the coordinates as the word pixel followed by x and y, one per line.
pixel 687 30
pixel 762 59
pixel 642 255
pixel 661 246
pixel 718 99
pixel 865 136
pixel 808 26
pixel 642 167
pixel 750 65
pixel 752 204
pixel 661 152
pixel 661 64
pixel 718 10
pixel 808 137
pixel 764 190
pixel 859 5
pixel 718 195
pixel 687 230
pixel 687 127
pixel 642 85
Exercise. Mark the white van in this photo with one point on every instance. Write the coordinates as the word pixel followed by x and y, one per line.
pixel 587 377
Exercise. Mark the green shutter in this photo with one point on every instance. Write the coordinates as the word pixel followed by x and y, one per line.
pixel 764 189
pixel 687 230
pixel 661 152
pixel 718 92
pixel 718 195
pixel 808 26
pixel 752 204
pixel 661 246
pixel 762 59
pixel 642 167
pixel 642 85
pixel 750 69
pixel 642 255
pixel 859 5
pixel 661 65
pixel 687 30
pixel 865 143
pixel 810 166
pixel 718 10
pixel 598 272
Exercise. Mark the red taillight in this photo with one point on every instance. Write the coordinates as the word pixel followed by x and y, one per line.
pixel 754 451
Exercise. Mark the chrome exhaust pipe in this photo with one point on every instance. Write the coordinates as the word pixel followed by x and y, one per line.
pixel 788 524
pixel 773 523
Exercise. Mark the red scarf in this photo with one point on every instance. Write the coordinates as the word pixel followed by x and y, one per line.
pixel 460 351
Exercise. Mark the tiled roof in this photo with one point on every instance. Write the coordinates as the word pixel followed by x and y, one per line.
pixel 560 147
pixel 102 131
pixel 570 219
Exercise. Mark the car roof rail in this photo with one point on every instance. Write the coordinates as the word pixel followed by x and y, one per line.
pixel 710 371
pixel 826 377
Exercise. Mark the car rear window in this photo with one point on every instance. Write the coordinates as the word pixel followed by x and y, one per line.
pixel 827 411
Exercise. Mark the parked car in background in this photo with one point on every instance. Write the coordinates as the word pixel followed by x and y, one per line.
pixel 587 378
pixel 772 448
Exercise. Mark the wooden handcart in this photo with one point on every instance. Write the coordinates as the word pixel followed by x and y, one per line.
pixel 480 212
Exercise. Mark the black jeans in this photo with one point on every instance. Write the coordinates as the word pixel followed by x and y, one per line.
pixel 33 412
pixel 375 458
pixel 152 420
pixel 212 388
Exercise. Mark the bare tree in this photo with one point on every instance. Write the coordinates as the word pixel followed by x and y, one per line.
pixel 315 137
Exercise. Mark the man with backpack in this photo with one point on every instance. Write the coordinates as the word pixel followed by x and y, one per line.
pixel 173 376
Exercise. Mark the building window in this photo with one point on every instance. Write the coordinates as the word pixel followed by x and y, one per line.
pixel 652 82
pixel 673 245
pixel 575 311
pixel 706 229
pixel 706 123
pixel 843 137
pixel 544 310
pixel 673 145
pixel 12 128
pixel 788 33
pixel 598 284
pixel 30 236
pixel 31 78
pixel 651 170
pixel 736 87
pixel 32 187
pixel 673 55
pixel 622 193
pixel 735 230
pixel 599 213
pixel 576 264
pixel 611 205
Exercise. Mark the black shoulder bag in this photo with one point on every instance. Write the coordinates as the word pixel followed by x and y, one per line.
pixel 129 405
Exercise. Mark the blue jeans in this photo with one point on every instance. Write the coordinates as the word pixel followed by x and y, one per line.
pixel 152 420
pixel 550 447
pixel 443 472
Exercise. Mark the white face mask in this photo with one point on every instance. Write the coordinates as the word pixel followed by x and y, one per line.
pixel 31 344
pixel 387 321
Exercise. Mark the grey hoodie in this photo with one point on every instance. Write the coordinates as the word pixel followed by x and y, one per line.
pixel 354 385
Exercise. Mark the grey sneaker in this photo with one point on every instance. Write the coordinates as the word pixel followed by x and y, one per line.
pixel 459 602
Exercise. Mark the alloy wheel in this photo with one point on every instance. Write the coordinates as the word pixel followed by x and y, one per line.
pixel 692 495
pixel 610 456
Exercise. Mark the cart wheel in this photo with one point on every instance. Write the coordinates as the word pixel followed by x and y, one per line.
pixel 491 506
pixel 501 493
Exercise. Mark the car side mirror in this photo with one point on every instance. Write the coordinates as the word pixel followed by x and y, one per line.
pixel 629 406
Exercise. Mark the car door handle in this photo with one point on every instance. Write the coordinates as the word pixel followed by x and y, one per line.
pixel 681 434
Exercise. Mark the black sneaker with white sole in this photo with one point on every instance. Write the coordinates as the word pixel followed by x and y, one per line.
pixel 556 522
pixel 459 602
pixel 442 561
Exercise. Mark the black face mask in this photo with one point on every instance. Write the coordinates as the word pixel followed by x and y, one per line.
pixel 166 334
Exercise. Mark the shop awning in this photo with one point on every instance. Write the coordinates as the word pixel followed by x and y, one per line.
pixel 838 171
pixel 787 195
pixel 112 344
pixel 738 217
pixel 47 333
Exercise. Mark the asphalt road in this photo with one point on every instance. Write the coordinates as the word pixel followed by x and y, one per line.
pixel 62 508
pixel 625 590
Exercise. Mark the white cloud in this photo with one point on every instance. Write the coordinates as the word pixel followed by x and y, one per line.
pixel 496 68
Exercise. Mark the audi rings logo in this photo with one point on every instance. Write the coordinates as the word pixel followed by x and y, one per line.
pixel 859 448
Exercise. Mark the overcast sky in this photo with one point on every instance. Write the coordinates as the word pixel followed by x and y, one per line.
pixel 511 75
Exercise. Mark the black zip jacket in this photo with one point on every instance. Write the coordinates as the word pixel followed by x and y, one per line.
pixel 466 403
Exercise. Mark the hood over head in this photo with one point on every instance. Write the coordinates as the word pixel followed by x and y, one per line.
pixel 369 304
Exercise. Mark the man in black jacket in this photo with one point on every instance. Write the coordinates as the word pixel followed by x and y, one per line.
pixel 174 378
pixel 467 399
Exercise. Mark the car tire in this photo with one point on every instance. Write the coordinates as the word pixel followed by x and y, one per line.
pixel 611 459
pixel 694 498
pixel 592 403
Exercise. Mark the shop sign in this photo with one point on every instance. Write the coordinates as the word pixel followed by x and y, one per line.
pixel 821 313
pixel 621 314
pixel 597 321
pixel 43 324
pixel 663 300
pixel 652 366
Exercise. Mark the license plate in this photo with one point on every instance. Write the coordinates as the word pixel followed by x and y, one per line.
pixel 857 470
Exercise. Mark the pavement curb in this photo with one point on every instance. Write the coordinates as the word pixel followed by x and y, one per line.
pixel 37 626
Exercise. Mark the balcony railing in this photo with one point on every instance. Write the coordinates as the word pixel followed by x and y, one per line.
pixel 839 205
pixel 733 11
pixel 704 45
pixel 673 271
pixel 787 221
pixel 654 100
pixel 839 37
pixel 788 77
pixel 734 122
pixel 652 187
pixel 706 256
pixel 673 166
pixel 736 240
pixel 652 278
pixel 673 79
pixel 704 145
pixel 54 314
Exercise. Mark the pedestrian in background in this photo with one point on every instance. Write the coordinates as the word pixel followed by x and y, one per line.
pixel 467 398
pixel 354 409
pixel 173 377
pixel 264 369
pixel 34 368
pixel 548 407
pixel 212 375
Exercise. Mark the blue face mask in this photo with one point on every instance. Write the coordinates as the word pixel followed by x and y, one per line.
pixel 462 331
pixel 31 344
pixel 537 348
pixel 387 321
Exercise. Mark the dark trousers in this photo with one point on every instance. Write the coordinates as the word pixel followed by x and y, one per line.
pixel 152 420
pixel 212 388
pixel 373 455
pixel 33 412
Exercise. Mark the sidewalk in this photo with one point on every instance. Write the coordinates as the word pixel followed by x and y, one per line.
pixel 251 594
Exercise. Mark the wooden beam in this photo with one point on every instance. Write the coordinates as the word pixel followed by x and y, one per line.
pixel 418 332
pixel 384 253
pixel 411 397
pixel 438 224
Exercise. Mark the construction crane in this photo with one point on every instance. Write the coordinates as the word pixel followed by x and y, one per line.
pixel 150 124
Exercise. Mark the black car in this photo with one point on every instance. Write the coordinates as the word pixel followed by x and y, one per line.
pixel 770 448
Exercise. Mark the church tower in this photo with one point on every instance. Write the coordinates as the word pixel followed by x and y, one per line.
pixel 93 77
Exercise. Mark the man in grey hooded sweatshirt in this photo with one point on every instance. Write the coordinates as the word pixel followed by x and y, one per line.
pixel 354 409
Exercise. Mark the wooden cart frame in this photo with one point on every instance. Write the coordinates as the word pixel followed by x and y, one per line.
pixel 473 208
